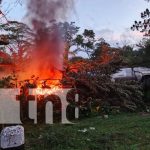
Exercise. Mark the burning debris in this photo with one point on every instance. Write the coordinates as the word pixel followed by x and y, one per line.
pixel 5 64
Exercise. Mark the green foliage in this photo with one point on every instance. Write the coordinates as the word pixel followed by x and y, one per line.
pixel 21 39
pixel 97 52
pixel 139 57
pixel 145 53
pixel 124 94
pixel 130 56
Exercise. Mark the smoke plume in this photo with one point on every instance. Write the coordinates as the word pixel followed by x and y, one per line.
pixel 47 54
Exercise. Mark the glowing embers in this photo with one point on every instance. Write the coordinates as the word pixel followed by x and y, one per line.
pixel 48 87
pixel 42 91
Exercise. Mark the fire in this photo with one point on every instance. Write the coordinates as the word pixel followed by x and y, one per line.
pixel 41 91
pixel 48 87
pixel 45 58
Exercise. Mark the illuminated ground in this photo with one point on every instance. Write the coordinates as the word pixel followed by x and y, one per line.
pixel 121 132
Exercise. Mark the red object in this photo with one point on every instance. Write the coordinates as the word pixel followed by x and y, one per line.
pixel 5 65
pixel 4 55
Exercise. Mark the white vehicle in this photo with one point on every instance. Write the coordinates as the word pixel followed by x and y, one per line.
pixel 137 73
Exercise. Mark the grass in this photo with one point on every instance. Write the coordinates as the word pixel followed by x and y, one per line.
pixel 120 132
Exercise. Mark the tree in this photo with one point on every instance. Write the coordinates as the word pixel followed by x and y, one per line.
pixel 20 38
pixel 143 26
pixel 86 42
pixel 96 54
pixel 141 56
pixel 131 58
pixel 68 33
pixel 137 58
pixel 144 52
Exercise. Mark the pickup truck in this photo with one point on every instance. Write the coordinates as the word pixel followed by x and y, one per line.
pixel 136 73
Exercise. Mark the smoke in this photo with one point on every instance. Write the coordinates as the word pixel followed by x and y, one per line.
pixel 47 10
pixel 47 54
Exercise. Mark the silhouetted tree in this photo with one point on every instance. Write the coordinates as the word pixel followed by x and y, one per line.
pixel 144 25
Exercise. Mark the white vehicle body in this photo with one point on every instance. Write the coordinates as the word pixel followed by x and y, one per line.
pixel 131 73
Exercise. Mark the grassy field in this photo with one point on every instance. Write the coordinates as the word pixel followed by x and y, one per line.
pixel 120 132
